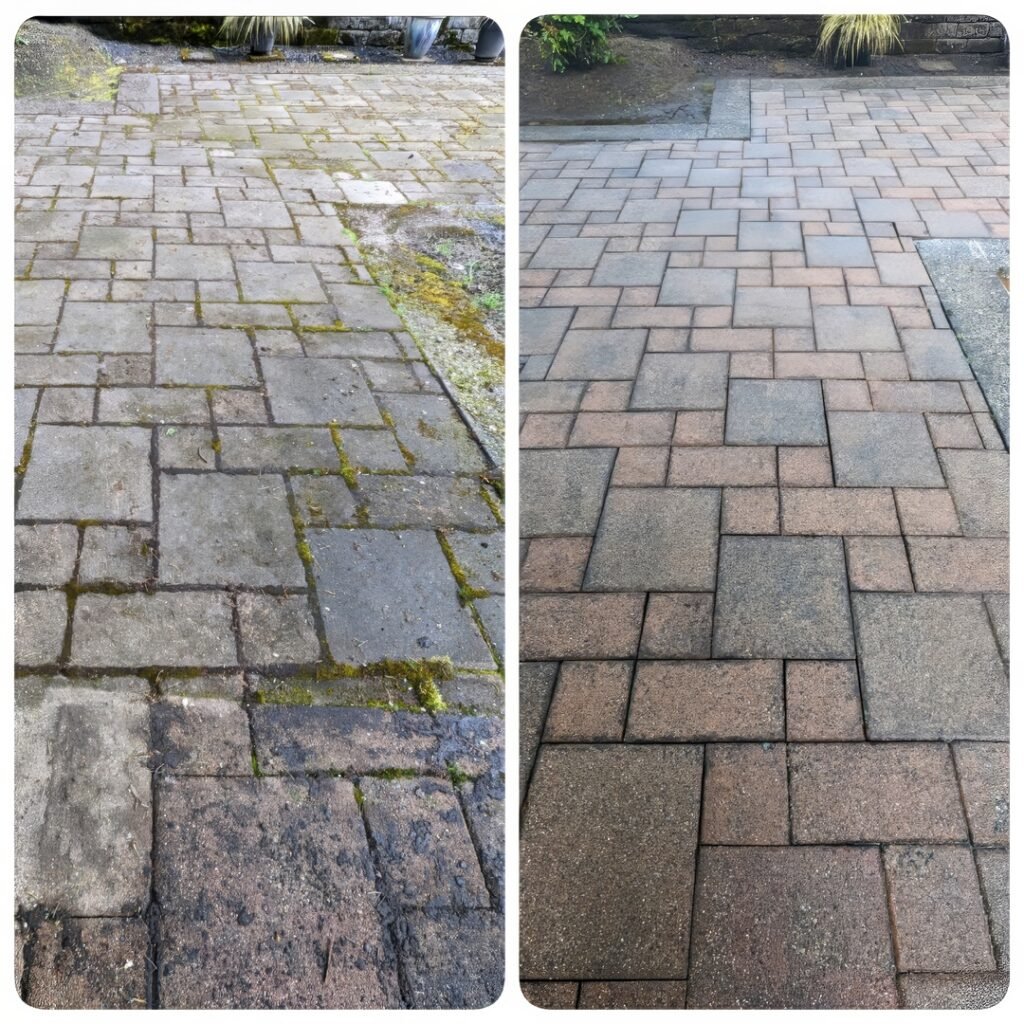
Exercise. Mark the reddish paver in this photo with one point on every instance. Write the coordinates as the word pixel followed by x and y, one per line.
pixel 632 995
pixel 589 703
pixel 878 563
pixel 823 701
pixel 746 798
pixel 579 625
pixel 677 626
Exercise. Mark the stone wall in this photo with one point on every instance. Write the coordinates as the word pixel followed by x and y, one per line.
pixel 361 31
pixel 798 33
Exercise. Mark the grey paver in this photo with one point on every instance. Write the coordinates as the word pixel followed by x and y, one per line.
pixel 854 328
pixel 979 484
pixel 655 539
pixel 563 491
pixel 598 355
pixel 630 269
pixel 772 307
pixel 594 904
pixel 789 412
pixel 930 668
pixel 40 618
pixel 838 251
pixel 386 595
pixel 687 380
pixel 100 327
pixel 882 449
pixel 197 355
pixel 782 597
pixel 45 554
pixel 318 391
pixel 119 554
pixel 684 287
pixel 430 427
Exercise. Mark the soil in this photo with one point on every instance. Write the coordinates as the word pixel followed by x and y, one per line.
pixel 661 79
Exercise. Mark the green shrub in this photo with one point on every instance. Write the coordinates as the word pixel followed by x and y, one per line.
pixel 576 40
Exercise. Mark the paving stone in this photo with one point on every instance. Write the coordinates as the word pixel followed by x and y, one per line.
pixel 644 268
pixel 598 355
pixel 878 563
pixel 838 251
pixel 823 701
pixel 686 380
pixel 780 904
pixel 854 329
pixel 89 963
pixel 605 429
pixel 385 595
pixel 563 491
pixel 655 540
pixel 998 606
pixel 481 557
pixel 927 512
pixel 938 915
pixel 963 991
pixel 88 473
pixel 882 449
pixel 594 904
pixel 707 222
pixel 313 888
pixel 430 427
pixel 119 554
pixel 45 554
pixel 805 467
pixel 722 466
pixel 82 828
pixel 994 875
pixel 172 629
pixel 772 307
pixel 276 629
pixel 399 812
pixel 698 701
pixel 453 961
pixel 47 225
pixel 551 995
pixel 901 269
pixel 194 262
pixel 536 684
pixel 979 484
pixel 227 530
pixel 200 736
pixel 372 193
pixel 192 355
pixel 579 625
pixel 934 355
pixel 554 564
pixel 66 405
pixel 153 405
pixel 898 210
pixel 929 668
pixel 640 467
pixel 960 564
pixel 567 254
pixel 40 619
pixel 689 287
pixel 782 597
pixel 677 626
pixel 838 511
pixel 750 510
pixel 318 391
pixel 297 739
pixel 874 792
pixel 746 796
pixel 37 302
pixel 632 995
pixel 375 450
pixel 409 502
pixel 775 412
pixel 361 307
pixel 40 370
pixel 954 430
pixel 589 703
pixel 771 236
pixel 277 448
pixel 984 773
pixel 24 410
pixel 101 327
pixel 541 329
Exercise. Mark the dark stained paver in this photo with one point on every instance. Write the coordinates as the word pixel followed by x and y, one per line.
pixel 791 928
pixel 594 902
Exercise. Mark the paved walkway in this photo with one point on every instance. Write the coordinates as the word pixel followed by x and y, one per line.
pixel 258 563
pixel 764 611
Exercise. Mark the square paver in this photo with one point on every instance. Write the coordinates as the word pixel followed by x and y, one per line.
pixel 934 355
pixel 788 412
pixel 746 795
pixel 882 449
pixel 984 773
pixel 280 282
pixel 854 329
pixel 708 222
pixel 104 327
pixel 88 473
pixel 823 701
pixel 770 236
pixel 980 485
pixel 770 931
pixel 695 287
pixel 391 595
pixel 598 355
pixel 930 668
pixel 782 597
pixel 594 902
pixel 772 307
pixel 838 251
pixel 630 268
pixel 227 530
pixel 685 380
pixel 563 491
pixel 656 539
pixel 318 391
pixel 204 355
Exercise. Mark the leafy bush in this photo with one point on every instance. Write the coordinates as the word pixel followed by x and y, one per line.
pixel 577 40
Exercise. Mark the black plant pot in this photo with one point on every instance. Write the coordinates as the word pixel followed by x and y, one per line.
pixel 490 42
pixel 262 44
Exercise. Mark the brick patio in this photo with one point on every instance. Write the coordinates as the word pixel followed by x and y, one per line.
pixel 764 615
pixel 239 484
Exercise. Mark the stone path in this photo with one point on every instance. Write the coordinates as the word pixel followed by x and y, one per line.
pixel 259 555
pixel 764 692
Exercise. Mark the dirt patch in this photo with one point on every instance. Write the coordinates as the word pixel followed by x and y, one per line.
pixel 443 267
pixel 663 80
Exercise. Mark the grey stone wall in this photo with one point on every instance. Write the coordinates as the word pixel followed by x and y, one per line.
pixel 365 31
pixel 798 33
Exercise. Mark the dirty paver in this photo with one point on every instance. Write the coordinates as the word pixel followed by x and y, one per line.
pixel 259 553
pixel 765 520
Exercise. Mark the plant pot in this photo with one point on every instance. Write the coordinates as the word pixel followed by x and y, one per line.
pixel 262 44
pixel 490 42
pixel 420 34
